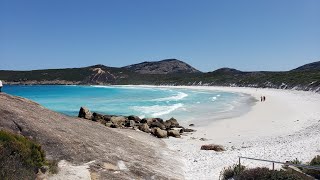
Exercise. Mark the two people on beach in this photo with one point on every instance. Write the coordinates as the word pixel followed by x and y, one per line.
pixel 263 98
pixel 1 86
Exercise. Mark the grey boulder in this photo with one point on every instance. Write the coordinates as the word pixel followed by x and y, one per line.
pixel 85 113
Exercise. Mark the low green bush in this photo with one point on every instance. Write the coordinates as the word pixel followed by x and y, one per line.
pixel 20 158
pixel 266 174
pixel 232 171
pixel 295 161
pixel 314 162
pixel 242 173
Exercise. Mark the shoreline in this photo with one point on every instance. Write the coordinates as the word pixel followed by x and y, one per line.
pixel 284 127
pixel 176 108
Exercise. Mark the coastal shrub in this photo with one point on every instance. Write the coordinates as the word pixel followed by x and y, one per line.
pixel 295 161
pixel 20 158
pixel 260 173
pixel 266 174
pixel 232 171
pixel 314 162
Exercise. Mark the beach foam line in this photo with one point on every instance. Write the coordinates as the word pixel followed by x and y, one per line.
pixel 101 86
pixel 157 110
pixel 177 97
pixel 122 87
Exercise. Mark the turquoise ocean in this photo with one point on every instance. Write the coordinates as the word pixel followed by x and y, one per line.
pixel 188 105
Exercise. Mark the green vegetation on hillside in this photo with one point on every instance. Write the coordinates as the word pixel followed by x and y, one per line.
pixel 305 79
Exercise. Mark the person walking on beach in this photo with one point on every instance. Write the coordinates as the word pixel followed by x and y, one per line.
pixel 1 86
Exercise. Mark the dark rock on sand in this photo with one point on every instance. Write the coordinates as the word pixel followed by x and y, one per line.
pixel 108 124
pixel 144 127
pixel 118 120
pixel 157 124
pixel 172 123
pixel 114 126
pixel 135 118
pixel 147 120
pixel 130 123
pixel 188 130
pixel 107 118
pixel 191 124
pixel 160 133
pixel 213 147
pixel 174 133
pixel 158 120
pixel 85 113
pixel 98 118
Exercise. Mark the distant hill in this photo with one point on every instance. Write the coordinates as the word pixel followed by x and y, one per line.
pixel 170 72
pixel 228 70
pixel 309 67
pixel 167 66
pixel 97 74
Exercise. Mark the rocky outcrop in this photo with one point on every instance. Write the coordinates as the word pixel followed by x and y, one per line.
pixel 174 133
pixel 89 143
pixel 172 123
pixel 85 113
pixel 135 118
pixel 156 126
pixel 100 76
pixel 118 120
pixel 160 133
pixel 144 127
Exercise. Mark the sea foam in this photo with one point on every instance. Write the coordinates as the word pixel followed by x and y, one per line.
pixel 157 110
pixel 177 97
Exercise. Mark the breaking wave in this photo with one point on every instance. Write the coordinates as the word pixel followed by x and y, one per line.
pixel 157 110
pixel 177 97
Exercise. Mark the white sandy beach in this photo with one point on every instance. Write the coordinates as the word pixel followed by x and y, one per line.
pixel 284 127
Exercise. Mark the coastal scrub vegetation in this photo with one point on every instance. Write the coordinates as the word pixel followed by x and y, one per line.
pixel 301 79
pixel 314 162
pixel 259 173
pixel 262 173
pixel 232 171
pixel 20 158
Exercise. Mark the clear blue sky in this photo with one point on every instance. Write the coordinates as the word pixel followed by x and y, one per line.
pixel 207 34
